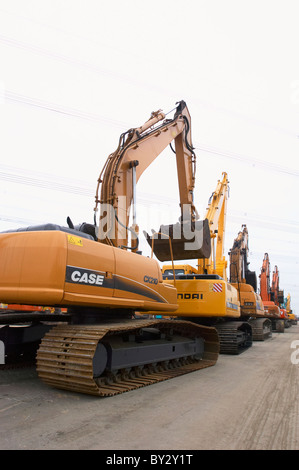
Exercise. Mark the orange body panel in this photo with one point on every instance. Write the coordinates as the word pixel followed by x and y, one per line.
pixel 32 267
pixel 271 309
pixel 250 302
pixel 56 268
pixel 283 313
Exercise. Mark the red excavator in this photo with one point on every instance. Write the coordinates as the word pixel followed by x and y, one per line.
pixel 270 308
pixel 277 296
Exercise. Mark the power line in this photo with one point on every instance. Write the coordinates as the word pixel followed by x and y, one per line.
pixel 55 28
pixel 54 107
pixel 65 59
pixel 249 160
pixel 17 220
pixel 45 184
pixel 121 77
pixel 19 175
pixel 77 113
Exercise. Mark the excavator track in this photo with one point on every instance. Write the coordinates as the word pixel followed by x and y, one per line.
pixel 66 356
pixel 235 337
pixel 261 328
pixel 277 325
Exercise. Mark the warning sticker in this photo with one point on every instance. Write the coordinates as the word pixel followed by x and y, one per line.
pixel 215 287
pixel 73 240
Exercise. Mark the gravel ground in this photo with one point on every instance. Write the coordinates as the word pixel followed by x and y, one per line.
pixel 243 402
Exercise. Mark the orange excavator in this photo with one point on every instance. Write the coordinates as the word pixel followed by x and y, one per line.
pixel 99 275
pixel 272 310
pixel 245 281
pixel 278 297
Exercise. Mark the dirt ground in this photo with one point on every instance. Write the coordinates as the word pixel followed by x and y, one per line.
pixel 243 402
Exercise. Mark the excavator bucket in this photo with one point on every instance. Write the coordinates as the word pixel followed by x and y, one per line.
pixel 181 241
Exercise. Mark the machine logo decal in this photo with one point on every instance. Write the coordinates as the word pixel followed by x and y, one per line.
pixel 129 285
pixel 91 278
pixel 84 276
pixel 151 280
pixel 190 296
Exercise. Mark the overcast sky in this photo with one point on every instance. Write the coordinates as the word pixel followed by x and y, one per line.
pixel 74 75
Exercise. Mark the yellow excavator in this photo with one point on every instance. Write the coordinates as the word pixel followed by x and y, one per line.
pixel 245 281
pixel 98 274
pixel 291 315
pixel 204 294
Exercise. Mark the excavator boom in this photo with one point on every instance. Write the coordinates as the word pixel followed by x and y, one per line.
pixel 216 216
pixel 265 279
pixel 137 149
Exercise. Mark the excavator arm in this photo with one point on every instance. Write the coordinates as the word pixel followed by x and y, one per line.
pixel 216 215
pixel 278 295
pixel 265 279
pixel 136 150
pixel 288 303
pixel 239 271
pixel 291 315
